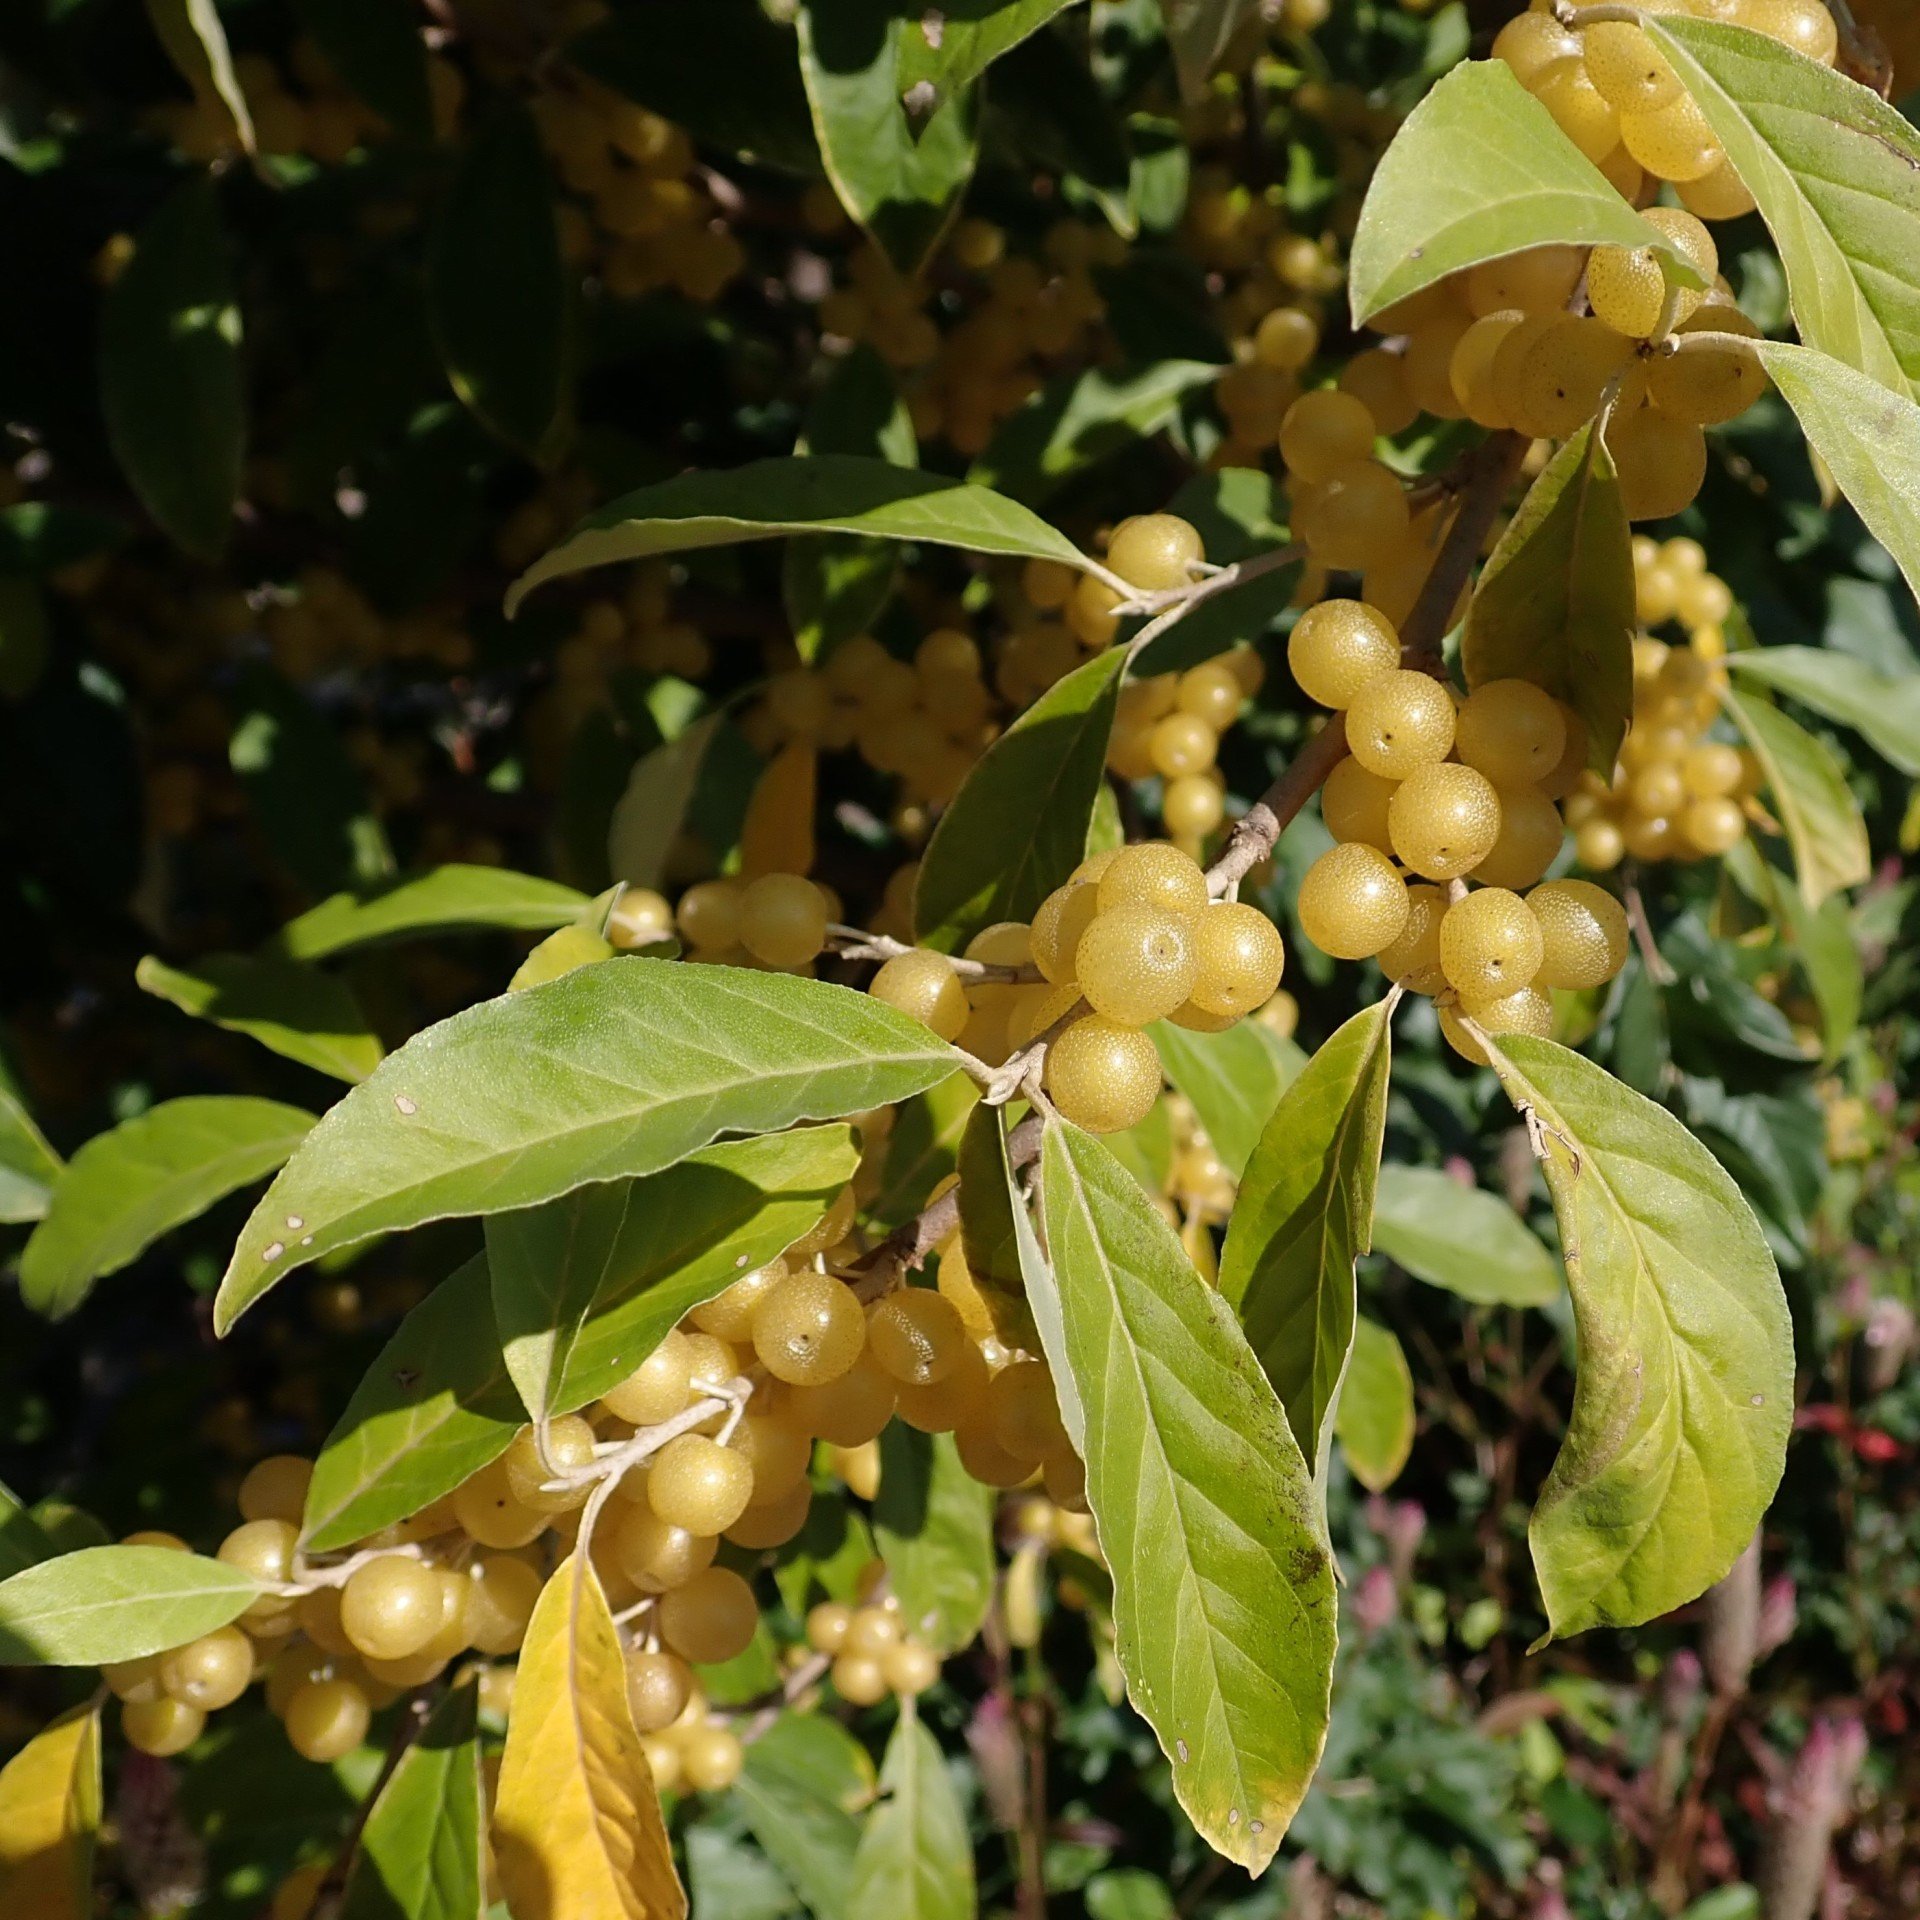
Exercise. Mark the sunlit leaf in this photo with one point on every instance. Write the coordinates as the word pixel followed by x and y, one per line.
pixel 1455 1236
pixel 295 1010
pixel 916 1859
pixel 1374 1423
pixel 196 43
pixel 1684 1395
pixel 1884 708
pixel 577 1833
pixel 804 1780
pixel 115 1603
pixel 1234 1080
pixel 450 899
pixel 1809 792
pixel 933 1524
pixel 49 1819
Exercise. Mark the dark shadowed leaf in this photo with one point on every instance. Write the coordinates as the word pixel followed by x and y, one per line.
pixel 1234 1080
pixel 294 1009
pixel 933 1524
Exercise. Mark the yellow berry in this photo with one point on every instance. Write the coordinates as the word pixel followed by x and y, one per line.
pixel 711 1759
pixel 811 1331
pixel 1352 902
pixel 570 1443
pixel 327 1719
pixel 1673 141
pixel 1558 384
pixel 658 1688
pixel 1444 819
pixel 924 986
pixel 783 919
pixel 1512 731
pixel 909 1667
pixel 915 1336
pixel 849 1411
pixel 1400 721
pixel 1354 804
pixel 1154 551
pixel 1241 957
pixel 1583 934
pixel 276 1488
pixel 1192 805
pixel 1137 963
pixel 504 1592
pixel 161 1727
pixel 1713 826
pixel 1062 919
pixel 656 1556
pixel 1626 68
pixel 391 1607
pixel 211 1672
pixel 859 1679
pixel 711 1618
pixel 1490 944
pixel 1103 1076
pixel 1529 841
pixel 486 1508
pixel 1338 647
pixel 708 915
pixel 1413 959
pixel 1323 431
pixel 1152 875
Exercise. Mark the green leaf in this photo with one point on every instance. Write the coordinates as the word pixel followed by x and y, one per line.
pixel 585 1287
pixel 901 182
pixel 496 289
pixel 1684 1396
pixel 823 493
pixel 1555 604
pixel 29 1167
pixel 803 1781
pixel 1080 418
pixel 1375 1420
pixel 421 1850
pixel 730 1879
pixel 128 1186
pixel 948 51
pixel 1833 168
pixel 1046 106
pixel 651 813
pixel 915 1860
pixel 1199 32
pixel 1884 708
pixel 451 899
pixel 721 68
pixel 1018 826
pixel 1460 1238
pixel 309 798
pixel 1821 939
pixel 170 372
pixel 196 43
pixel 1810 794
pixel 1869 437
pixel 433 1409
pixel 23 1541
pixel 293 1009
pixel 922 1149
pixel 614 1071
pixel 115 1603
pixel 1477 171
pixel 831 1552
pixel 933 1524
pixel 838 586
pixel 987 1206
pixel 1234 1080
pixel 376 48
pixel 1304 1216
pixel 1223 1582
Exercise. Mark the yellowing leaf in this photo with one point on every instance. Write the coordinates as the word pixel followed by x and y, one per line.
pixel 577 1832
pixel 49 1814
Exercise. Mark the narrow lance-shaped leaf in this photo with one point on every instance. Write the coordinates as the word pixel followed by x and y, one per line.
pixel 196 43
pixel 49 1819
pixel 1234 1080
pixel 614 1071
pixel 902 183
pixel 1223 1582
pixel 1457 1237
pixel 1809 791
pixel 1868 435
pixel 29 1167
pixel 648 816
pixel 1478 170
pixel 496 289
pixel 916 1859
pixel 170 371
pixel 1018 826
pixel 1836 173
pixel 990 1216
pixel 1883 708
pixel 115 1603
pixel 1304 1216
pixel 1375 1421
pixel 947 52
pixel 1684 1395
pixel 585 1287
pixel 1555 602
pixel 420 1852
pixel 450 899
pixel 577 1831
pixel 1199 31
pixel 24 1542
pixel 127 1187
pixel 803 1782
pixel 824 493
pixel 435 1407
pixel 295 1010
pixel 933 1524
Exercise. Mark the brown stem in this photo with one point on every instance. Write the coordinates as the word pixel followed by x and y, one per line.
pixel 1487 475
pixel 1651 957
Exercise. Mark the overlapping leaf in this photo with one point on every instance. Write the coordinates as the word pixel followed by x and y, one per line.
pixel 1884 708
pixel 1375 1420
pixel 916 1859
pixel 115 1603
pixel 295 1010
pixel 614 1071
pixel 1684 1396
pixel 1809 791
pixel 449 899
pixel 196 43
pixel 1458 1237
pixel 421 1850
pixel 933 1524
pixel 803 1782
pixel 1305 1214
pixel 49 1819
pixel 1234 1079
pixel 1223 1584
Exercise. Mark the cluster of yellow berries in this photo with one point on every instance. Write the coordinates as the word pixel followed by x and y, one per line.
pixel 1433 794
pixel 1614 95
pixel 871 1652
pixel 1169 725
pixel 648 219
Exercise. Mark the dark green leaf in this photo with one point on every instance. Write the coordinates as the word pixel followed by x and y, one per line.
pixel 1046 104
pixel 1304 1216
pixel 421 1852
pixel 451 899
pixel 170 371
pixel 823 493
pixel 634 1064
pixel 1555 603
pixel 1199 31
pixel 1809 791
pixel 933 1524
pixel 651 813
pixel 127 1187
pixel 23 1541
pixel 495 287
pixel 376 48
pixel 922 1149
pixel 804 1780
pixel 294 1009
pixel 947 50
pixel 434 1408
pixel 902 182
pixel 1018 826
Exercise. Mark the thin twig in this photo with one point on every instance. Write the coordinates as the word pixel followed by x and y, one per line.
pixel 1488 474
pixel 1658 971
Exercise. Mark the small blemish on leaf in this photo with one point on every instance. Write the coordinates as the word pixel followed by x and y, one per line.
pixel 1180 1747
pixel 1256 1826
pixel 405 1105
pixel 933 24
pixel 1233 1816
pixel 1759 1399
pixel 273 1251
pixel 294 1223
